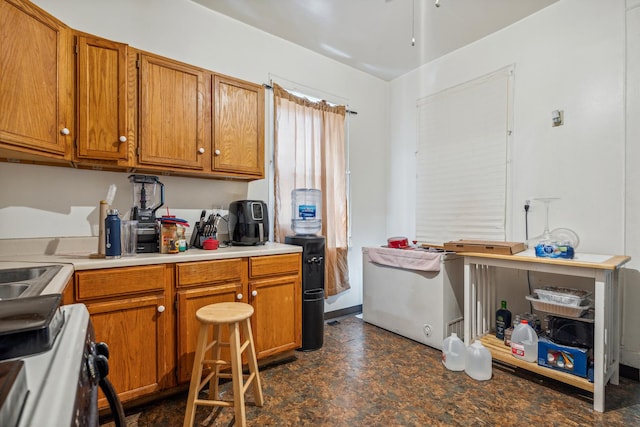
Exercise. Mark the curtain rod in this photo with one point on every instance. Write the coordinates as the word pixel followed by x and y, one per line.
pixel 269 87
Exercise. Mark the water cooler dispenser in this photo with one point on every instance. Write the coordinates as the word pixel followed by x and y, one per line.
pixel 306 221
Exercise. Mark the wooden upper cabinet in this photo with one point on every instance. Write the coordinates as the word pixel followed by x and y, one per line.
pixel 102 99
pixel 238 127
pixel 36 88
pixel 172 115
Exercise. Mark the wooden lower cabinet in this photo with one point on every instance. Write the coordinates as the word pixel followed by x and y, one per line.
pixel 131 312
pixel 189 301
pixel 147 314
pixel 276 295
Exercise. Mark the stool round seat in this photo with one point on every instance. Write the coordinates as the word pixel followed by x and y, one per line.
pixel 224 312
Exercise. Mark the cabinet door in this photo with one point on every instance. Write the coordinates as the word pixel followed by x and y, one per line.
pixel 189 301
pixel 238 127
pixel 277 319
pixel 171 114
pixel 135 329
pixel 36 99
pixel 102 99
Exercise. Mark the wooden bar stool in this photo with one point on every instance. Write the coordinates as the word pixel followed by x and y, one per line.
pixel 236 315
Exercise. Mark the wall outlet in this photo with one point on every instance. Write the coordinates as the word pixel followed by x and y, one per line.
pixel 557 118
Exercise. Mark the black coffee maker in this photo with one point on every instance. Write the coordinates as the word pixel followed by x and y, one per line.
pixel 148 197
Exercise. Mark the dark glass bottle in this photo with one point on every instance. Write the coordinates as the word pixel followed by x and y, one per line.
pixel 503 320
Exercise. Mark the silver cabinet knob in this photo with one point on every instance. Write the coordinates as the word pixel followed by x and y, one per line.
pixel 201 150
pixel 254 293
pixel 217 152
pixel 160 308
pixel 65 131
pixel 122 138
pixel 239 296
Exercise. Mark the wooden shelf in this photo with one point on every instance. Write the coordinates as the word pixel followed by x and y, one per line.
pixel 501 352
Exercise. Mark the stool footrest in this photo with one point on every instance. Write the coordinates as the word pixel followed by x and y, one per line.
pixel 214 403
pixel 247 383
pixel 217 362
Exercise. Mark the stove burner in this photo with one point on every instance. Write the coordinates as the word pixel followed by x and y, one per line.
pixel 29 325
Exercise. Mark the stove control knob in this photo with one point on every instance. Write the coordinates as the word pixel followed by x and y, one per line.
pixel 103 349
pixel 98 367
pixel 102 366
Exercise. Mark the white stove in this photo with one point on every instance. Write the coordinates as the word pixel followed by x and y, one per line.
pixel 63 381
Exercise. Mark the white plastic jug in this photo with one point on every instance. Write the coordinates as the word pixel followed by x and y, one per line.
pixel 454 353
pixel 478 363
pixel 524 342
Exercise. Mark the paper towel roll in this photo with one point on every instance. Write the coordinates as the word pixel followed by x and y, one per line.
pixel 104 206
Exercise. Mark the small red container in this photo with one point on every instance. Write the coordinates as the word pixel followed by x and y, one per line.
pixel 210 244
pixel 398 242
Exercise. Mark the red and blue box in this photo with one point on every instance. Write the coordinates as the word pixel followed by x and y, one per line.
pixel 572 360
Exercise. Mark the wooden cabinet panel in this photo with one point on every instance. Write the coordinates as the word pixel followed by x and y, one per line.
pixel 134 330
pixel 197 273
pixel 238 127
pixel 277 320
pixel 102 99
pixel 139 329
pixel 274 264
pixel 118 282
pixel 172 114
pixel 189 301
pixel 36 98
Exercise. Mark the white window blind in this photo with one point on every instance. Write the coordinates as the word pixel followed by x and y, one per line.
pixel 461 161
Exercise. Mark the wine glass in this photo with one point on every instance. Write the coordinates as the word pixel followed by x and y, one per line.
pixel 546 235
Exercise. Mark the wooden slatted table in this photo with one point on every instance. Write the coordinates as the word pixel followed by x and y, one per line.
pixel 480 307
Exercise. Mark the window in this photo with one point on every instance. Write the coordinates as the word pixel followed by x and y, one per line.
pixel 462 159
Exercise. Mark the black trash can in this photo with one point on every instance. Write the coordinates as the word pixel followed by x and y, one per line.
pixel 312 319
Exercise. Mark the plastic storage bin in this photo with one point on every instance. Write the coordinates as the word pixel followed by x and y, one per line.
pixel 564 296
pixel 559 309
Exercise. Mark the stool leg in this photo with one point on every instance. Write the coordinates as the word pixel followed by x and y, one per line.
pixel 236 374
pixel 196 375
pixel 253 363
pixel 214 382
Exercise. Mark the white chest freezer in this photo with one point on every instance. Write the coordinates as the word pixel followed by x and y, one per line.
pixel 425 306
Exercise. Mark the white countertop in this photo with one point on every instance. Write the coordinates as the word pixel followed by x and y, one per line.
pixel 74 261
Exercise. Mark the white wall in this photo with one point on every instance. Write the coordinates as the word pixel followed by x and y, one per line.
pixel 630 352
pixel 569 56
pixel 39 197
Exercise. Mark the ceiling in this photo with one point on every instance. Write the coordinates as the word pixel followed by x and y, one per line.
pixel 375 36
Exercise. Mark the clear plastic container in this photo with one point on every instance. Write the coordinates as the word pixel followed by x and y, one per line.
pixel 454 353
pixel 524 342
pixel 306 211
pixel 478 362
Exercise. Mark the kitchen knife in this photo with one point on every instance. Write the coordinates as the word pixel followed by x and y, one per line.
pixel 201 223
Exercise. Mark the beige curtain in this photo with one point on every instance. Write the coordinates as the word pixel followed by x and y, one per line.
pixel 310 153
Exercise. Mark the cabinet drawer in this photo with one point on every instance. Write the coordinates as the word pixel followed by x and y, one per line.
pixel 196 273
pixel 119 281
pixel 274 264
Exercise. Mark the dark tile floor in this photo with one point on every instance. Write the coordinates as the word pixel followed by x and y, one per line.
pixel 366 376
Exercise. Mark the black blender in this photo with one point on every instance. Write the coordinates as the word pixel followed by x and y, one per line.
pixel 148 197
